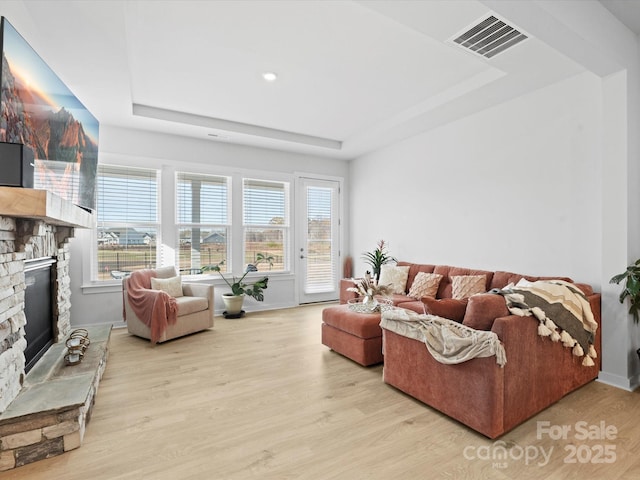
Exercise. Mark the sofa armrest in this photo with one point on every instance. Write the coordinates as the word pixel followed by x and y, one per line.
pixel 536 368
pixel 513 330
pixel 345 296
pixel 516 333
pixel 197 290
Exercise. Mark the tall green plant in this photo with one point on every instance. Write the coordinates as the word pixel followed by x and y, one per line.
pixel 237 284
pixel 377 258
pixel 631 290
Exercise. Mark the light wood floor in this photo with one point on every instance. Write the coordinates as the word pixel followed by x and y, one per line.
pixel 262 398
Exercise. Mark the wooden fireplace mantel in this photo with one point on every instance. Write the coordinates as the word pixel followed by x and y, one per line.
pixel 43 205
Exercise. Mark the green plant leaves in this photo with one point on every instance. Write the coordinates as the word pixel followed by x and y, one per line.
pixel 377 258
pixel 256 289
pixel 238 286
pixel 631 277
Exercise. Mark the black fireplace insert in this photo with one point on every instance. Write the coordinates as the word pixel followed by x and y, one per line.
pixel 38 300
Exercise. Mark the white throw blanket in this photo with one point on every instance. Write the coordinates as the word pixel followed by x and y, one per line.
pixel 448 342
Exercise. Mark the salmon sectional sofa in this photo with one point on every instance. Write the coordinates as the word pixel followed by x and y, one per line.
pixel 483 395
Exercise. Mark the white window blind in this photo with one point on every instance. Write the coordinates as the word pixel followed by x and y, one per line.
pixel 127 220
pixel 321 258
pixel 202 220
pixel 266 222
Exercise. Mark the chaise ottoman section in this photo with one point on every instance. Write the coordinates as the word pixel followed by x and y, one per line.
pixel 357 336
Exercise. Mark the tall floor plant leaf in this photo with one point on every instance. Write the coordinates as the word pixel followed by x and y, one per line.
pixel 631 290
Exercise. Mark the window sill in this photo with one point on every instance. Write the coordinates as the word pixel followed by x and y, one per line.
pixel 102 287
pixel 112 286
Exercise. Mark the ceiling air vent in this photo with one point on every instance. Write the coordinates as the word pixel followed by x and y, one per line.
pixel 489 37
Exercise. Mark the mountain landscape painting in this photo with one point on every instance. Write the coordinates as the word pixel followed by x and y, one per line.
pixel 38 110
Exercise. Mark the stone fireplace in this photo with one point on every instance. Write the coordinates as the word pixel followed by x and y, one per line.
pixel 26 239
pixel 42 413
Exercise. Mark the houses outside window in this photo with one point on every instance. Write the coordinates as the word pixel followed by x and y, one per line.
pixel 266 223
pixel 203 221
pixel 127 220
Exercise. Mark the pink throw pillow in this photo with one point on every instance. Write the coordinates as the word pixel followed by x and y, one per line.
pixel 483 309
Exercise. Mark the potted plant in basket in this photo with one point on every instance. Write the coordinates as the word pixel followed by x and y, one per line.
pixel 239 288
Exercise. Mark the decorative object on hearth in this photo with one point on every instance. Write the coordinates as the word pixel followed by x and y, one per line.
pixel 377 258
pixel 77 344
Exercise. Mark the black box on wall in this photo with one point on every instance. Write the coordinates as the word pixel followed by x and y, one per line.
pixel 16 165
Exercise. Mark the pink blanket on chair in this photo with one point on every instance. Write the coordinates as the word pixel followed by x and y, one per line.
pixel 155 308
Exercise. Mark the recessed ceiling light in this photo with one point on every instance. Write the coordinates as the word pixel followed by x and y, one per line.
pixel 269 76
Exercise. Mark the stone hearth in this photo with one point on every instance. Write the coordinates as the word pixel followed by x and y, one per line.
pixel 50 414
pixel 36 224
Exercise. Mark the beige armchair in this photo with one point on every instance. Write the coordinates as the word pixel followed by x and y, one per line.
pixel 195 309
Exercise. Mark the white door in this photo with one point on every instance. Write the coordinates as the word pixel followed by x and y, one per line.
pixel 318 249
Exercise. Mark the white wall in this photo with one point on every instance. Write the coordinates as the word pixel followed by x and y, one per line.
pixel 587 33
pixel 616 338
pixel 515 187
pixel 604 238
pixel 93 304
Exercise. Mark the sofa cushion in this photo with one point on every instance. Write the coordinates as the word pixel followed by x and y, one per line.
pixel 583 287
pixel 414 269
pixel 447 272
pixel 502 279
pixel 483 309
pixel 363 325
pixel 425 285
pixel 396 276
pixel 166 272
pixel 586 289
pixel 187 305
pixel 450 308
pixel 172 285
pixel 398 298
pixel 463 286
pixel 413 305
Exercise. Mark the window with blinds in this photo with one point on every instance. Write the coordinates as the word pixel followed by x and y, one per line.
pixel 202 221
pixel 266 222
pixel 127 220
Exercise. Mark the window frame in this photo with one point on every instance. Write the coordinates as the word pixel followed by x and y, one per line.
pixel 287 186
pixel 178 224
pixel 167 204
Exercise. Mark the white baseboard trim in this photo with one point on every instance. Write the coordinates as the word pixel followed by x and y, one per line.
pixel 628 384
